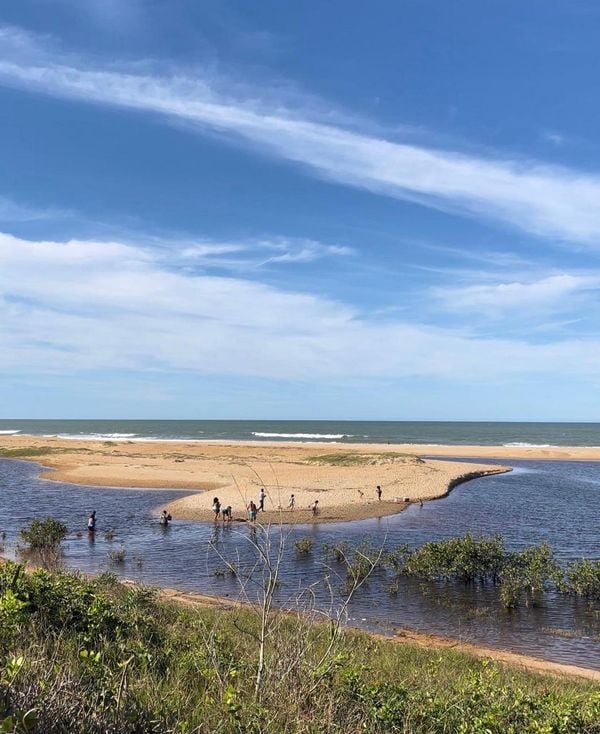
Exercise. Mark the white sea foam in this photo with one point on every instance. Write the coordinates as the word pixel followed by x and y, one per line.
pixel 261 434
pixel 525 445
pixel 9 432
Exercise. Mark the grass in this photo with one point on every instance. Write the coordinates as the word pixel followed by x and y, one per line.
pixel 92 656
pixel 25 452
pixel 31 451
pixel 352 459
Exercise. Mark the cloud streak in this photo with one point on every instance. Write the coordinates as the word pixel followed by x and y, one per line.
pixel 88 305
pixel 554 202
pixel 12 211
pixel 557 292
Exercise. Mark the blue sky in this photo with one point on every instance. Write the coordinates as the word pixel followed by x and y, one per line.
pixel 299 210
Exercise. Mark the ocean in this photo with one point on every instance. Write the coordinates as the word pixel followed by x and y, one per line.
pixel 455 433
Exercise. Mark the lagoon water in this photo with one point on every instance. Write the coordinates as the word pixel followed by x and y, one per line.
pixel 554 502
pixel 432 432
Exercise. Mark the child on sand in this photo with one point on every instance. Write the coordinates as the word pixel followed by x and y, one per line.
pixel 378 493
pixel 292 502
pixel 226 514
pixel 216 508
pixel 314 508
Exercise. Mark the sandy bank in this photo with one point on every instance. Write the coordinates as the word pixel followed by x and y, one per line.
pixel 342 478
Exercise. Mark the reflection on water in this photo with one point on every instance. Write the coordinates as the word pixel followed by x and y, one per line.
pixel 556 502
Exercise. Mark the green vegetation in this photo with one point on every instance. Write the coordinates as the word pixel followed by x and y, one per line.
pixel 583 579
pixel 25 452
pixel 94 656
pixel 304 546
pixel 42 534
pixel 117 557
pixel 352 459
pixel 522 576
pixel 43 540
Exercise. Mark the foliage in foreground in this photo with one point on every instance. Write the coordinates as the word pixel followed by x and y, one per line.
pixel 80 655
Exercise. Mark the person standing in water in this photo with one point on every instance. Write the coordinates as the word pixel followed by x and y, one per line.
pixel 379 492
pixel 92 521
pixel 252 511
pixel 216 506
pixel 261 501
pixel 165 518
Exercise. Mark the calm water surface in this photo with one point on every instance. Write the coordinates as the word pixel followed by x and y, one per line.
pixel 555 502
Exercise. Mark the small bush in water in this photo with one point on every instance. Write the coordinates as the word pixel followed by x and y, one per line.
pixel 42 534
pixel 304 546
pixel 117 556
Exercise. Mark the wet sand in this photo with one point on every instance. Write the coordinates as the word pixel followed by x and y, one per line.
pixel 343 478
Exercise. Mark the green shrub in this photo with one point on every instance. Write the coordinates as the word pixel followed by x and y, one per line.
pixel 304 546
pixel 44 534
pixel 583 579
pixel 94 656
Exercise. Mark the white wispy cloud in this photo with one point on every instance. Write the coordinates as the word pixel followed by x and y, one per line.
pixel 298 250
pixel 12 211
pixel 82 305
pixel 545 200
pixel 557 292
pixel 255 253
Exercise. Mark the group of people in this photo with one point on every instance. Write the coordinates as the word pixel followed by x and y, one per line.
pixel 222 512
pixel 225 513
pixel 164 520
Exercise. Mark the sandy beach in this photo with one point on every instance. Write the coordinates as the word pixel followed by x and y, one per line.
pixel 342 478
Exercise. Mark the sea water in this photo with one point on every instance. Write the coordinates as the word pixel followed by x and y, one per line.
pixel 455 433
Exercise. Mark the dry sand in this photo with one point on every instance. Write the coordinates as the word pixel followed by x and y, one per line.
pixel 345 483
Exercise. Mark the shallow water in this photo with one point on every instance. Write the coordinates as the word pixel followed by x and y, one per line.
pixel 555 502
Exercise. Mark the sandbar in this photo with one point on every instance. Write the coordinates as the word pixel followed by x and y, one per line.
pixel 343 478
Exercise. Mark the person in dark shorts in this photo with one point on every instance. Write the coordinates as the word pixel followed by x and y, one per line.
pixel 165 518
pixel 216 506
pixel 379 493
